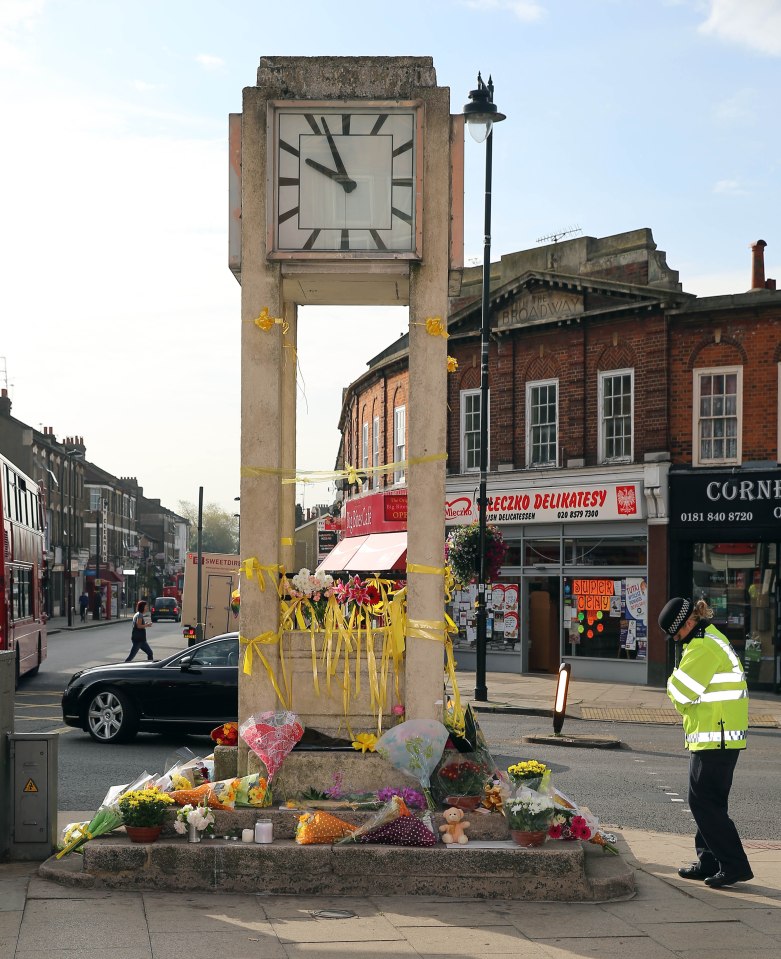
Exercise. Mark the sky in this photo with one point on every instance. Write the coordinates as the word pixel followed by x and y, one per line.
pixel 119 318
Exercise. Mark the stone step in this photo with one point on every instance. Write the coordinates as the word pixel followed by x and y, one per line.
pixel 557 871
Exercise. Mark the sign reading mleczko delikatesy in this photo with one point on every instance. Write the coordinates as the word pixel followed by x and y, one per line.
pixel 550 504
pixel 725 499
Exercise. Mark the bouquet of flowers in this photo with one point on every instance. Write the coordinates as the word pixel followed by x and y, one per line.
pixel 530 773
pixel 458 776
pixel 199 816
pixel 529 811
pixel 315 588
pixel 144 807
pixel 236 602
pixel 463 552
pixel 226 735
pixel 360 592
pixel 411 797
pixel 570 822
pixel 414 747
pixel 271 735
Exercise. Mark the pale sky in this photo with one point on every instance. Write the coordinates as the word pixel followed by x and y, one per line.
pixel 119 316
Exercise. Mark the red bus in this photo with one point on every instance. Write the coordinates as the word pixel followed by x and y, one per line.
pixel 22 619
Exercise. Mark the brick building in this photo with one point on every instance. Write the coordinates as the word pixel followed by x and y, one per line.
pixel 595 355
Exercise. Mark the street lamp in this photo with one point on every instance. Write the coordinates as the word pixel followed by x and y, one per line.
pixel 71 455
pixel 480 114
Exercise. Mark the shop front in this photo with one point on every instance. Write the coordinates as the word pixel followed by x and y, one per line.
pixel 725 536
pixel 574 584
pixel 375 540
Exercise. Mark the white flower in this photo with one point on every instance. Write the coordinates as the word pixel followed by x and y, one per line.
pixel 180 827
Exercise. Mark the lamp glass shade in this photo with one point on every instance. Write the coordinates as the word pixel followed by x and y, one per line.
pixel 479 128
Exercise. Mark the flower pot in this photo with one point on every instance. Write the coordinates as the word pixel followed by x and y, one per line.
pixel 192 833
pixel 526 838
pixel 143 833
pixel 468 803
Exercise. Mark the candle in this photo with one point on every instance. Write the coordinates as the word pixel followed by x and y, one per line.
pixel 246 835
pixel 264 831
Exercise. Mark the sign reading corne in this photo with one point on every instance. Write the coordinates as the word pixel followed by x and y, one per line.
pixel 725 499
pixel 539 307
pixel 550 504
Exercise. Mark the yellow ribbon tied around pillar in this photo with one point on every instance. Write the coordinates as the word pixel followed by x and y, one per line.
pixel 253 648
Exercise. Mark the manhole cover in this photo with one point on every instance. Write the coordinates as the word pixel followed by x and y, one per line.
pixel 333 914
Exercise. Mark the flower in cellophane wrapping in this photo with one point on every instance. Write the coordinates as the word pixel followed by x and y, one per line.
pixel 321 827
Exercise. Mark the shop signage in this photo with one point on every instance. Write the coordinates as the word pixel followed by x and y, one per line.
pixel 326 541
pixel 607 501
pixel 539 307
pixel 737 499
pixel 382 512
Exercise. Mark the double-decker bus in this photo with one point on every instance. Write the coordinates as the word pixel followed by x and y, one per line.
pixel 22 618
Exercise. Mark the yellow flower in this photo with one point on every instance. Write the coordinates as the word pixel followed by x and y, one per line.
pixel 365 742
pixel 264 320
pixel 435 327
pixel 452 364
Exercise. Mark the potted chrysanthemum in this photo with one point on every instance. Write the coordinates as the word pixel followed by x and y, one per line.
pixel 529 816
pixel 143 813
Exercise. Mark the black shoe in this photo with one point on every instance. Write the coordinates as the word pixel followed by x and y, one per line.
pixel 727 879
pixel 695 871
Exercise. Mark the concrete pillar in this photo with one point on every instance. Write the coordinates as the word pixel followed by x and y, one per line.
pixel 427 422
pixel 287 523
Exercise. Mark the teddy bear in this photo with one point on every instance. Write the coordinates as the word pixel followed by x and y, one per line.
pixel 453 828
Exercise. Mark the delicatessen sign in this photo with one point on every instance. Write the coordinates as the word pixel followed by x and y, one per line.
pixel 607 501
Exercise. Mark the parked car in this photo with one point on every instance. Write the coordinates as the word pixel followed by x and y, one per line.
pixel 192 692
pixel 166 607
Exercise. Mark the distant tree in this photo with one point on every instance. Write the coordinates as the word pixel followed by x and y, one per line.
pixel 220 528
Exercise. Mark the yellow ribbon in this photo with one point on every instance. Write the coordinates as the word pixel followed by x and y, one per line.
pixel 253 647
pixel 439 631
pixel 265 321
pixel 418 568
pixel 251 568
pixel 350 473
pixel 435 327
pixel 286 541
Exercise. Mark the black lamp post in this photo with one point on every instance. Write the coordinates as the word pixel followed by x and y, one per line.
pixel 71 454
pixel 480 114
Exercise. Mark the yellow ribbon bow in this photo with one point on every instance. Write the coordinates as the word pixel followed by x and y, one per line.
pixel 452 364
pixel 435 327
pixel 265 321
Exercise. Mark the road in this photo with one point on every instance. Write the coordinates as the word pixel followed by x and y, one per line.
pixel 641 785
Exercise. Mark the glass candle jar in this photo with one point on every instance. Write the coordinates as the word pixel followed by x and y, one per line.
pixel 264 831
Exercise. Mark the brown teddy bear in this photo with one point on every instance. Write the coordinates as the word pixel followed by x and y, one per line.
pixel 453 828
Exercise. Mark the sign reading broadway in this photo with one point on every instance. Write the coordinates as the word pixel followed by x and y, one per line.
pixel 606 501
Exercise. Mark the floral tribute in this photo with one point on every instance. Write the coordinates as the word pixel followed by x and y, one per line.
pixel 414 747
pixel 463 552
pixel 271 736
pixel 144 807
pixel 529 811
pixel 530 773
pixel 226 735
pixel 199 816
pixel 462 777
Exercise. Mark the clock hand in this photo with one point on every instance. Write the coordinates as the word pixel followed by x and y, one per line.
pixel 341 178
pixel 334 151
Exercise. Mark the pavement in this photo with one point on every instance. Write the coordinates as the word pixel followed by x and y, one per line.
pixel 668 917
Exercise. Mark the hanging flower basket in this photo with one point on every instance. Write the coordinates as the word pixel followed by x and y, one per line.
pixel 463 553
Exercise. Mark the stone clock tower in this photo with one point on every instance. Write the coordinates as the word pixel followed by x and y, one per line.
pixel 342 192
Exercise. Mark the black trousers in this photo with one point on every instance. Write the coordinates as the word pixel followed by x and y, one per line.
pixel 717 841
pixel 144 645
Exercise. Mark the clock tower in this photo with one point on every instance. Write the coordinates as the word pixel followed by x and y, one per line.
pixel 346 188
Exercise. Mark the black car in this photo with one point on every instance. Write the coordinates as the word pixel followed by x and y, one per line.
pixel 166 607
pixel 192 691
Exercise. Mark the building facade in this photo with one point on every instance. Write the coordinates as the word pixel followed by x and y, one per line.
pixel 599 367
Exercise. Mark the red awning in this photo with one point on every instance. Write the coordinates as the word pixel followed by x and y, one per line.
pixel 382 552
pixel 340 556
pixel 106 575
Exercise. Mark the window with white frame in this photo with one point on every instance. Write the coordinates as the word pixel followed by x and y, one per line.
pixel 717 414
pixel 470 430
pixel 399 441
pixel 365 446
pixel 375 451
pixel 542 416
pixel 616 416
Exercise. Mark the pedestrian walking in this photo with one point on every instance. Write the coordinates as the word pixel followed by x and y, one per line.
pixel 709 691
pixel 138 636
pixel 83 606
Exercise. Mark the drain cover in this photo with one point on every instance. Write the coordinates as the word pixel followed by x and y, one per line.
pixel 333 914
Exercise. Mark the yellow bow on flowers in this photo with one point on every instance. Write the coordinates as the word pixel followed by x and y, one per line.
pixel 435 327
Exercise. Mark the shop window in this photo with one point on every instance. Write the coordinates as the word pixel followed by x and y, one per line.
pixel 607 551
pixel 542 423
pixel 616 401
pixel 513 555
pixel 606 617
pixel 717 410
pixel 542 552
pixel 399 441
pixel 471 401
pixel 365 446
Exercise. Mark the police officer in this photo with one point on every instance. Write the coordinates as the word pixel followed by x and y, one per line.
pixel 709 691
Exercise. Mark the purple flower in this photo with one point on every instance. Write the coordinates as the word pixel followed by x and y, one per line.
pixel 411 797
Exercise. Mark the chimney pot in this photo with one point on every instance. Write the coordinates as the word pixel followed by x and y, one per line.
pixel 758 265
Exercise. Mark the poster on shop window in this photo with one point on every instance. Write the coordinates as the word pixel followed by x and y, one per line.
pixel 634 622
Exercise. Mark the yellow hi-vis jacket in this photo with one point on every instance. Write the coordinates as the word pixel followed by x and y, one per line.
pixel 709 690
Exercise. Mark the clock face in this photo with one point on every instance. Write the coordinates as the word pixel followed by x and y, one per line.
pixel 345 179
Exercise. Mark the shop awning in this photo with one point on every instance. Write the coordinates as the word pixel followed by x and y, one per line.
pixel 106 575
pixel 375 553
pixel 341 554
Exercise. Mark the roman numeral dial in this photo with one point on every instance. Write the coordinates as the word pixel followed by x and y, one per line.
pixel 345 179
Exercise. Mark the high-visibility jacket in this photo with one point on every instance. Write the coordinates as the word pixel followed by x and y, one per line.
pixel 709 691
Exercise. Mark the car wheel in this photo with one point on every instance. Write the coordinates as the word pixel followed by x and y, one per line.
pixel 111 717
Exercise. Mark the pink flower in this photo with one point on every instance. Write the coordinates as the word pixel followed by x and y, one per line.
pixel 398 709
pixel 556 831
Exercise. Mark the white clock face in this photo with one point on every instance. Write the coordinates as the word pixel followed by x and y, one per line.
pixel 345 179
